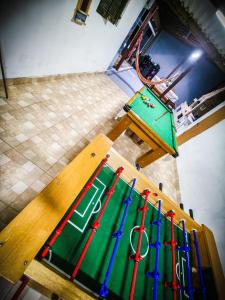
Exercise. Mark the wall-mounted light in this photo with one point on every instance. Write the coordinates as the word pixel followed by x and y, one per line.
pixel 195 55
pixel 81 11
pixel 221 17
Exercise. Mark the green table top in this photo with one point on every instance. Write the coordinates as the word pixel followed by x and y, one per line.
pixel 159 118
pixel 70 243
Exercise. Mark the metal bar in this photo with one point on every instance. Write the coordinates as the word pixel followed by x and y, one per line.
pixel 186 250
pixel 66 219
pixel 96 224
pixel 137 256
pixel 3 76
pixel 182 75
pixel 176 68
pixel 155 274
pixel 191 213
pixel 135 38
pixel 104 289
pixel 200 273
pixel 172 244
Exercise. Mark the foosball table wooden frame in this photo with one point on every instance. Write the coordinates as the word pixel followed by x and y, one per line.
pixel 22 239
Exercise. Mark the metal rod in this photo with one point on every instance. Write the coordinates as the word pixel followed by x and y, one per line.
pixel 200 273
pixel 186 250
pixel 176 68
pixel 3 76
pixel 160 186
pixel 191 213
pixel 104 288
pixel 137 256
pixel 59 230
pixel 172 244
pixel 96 224
pixel 181 76
pixel 135 38
pixel 155 274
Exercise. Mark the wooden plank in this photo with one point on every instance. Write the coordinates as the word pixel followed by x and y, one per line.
pixel 52 281
pixel 119 128
pixel 140 133
pixel 22 239
pixel 149 157
pixel 203 125
pixel 116 160
pixel 214 261
pixel 79 6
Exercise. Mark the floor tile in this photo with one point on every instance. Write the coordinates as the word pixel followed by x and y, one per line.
pixel 45 125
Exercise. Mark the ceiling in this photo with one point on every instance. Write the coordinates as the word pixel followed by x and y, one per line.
pixel 196 23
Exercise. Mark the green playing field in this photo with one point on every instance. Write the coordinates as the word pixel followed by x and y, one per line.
pixel 70 243
pixel 159 118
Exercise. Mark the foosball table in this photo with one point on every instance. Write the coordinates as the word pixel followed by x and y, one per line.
pixel 102 230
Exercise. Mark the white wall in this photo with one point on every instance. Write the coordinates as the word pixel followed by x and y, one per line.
pixel 201 169
pixel 38 37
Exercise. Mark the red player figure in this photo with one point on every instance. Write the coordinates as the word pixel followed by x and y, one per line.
pixel 172 244
pixel 96 224
pixel 137 256
pixel 69 215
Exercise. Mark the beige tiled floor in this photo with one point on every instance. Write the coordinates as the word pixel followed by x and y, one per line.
pixel 45 124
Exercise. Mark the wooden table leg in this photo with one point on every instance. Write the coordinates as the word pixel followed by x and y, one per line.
pixel 119 128
pixel 150 157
